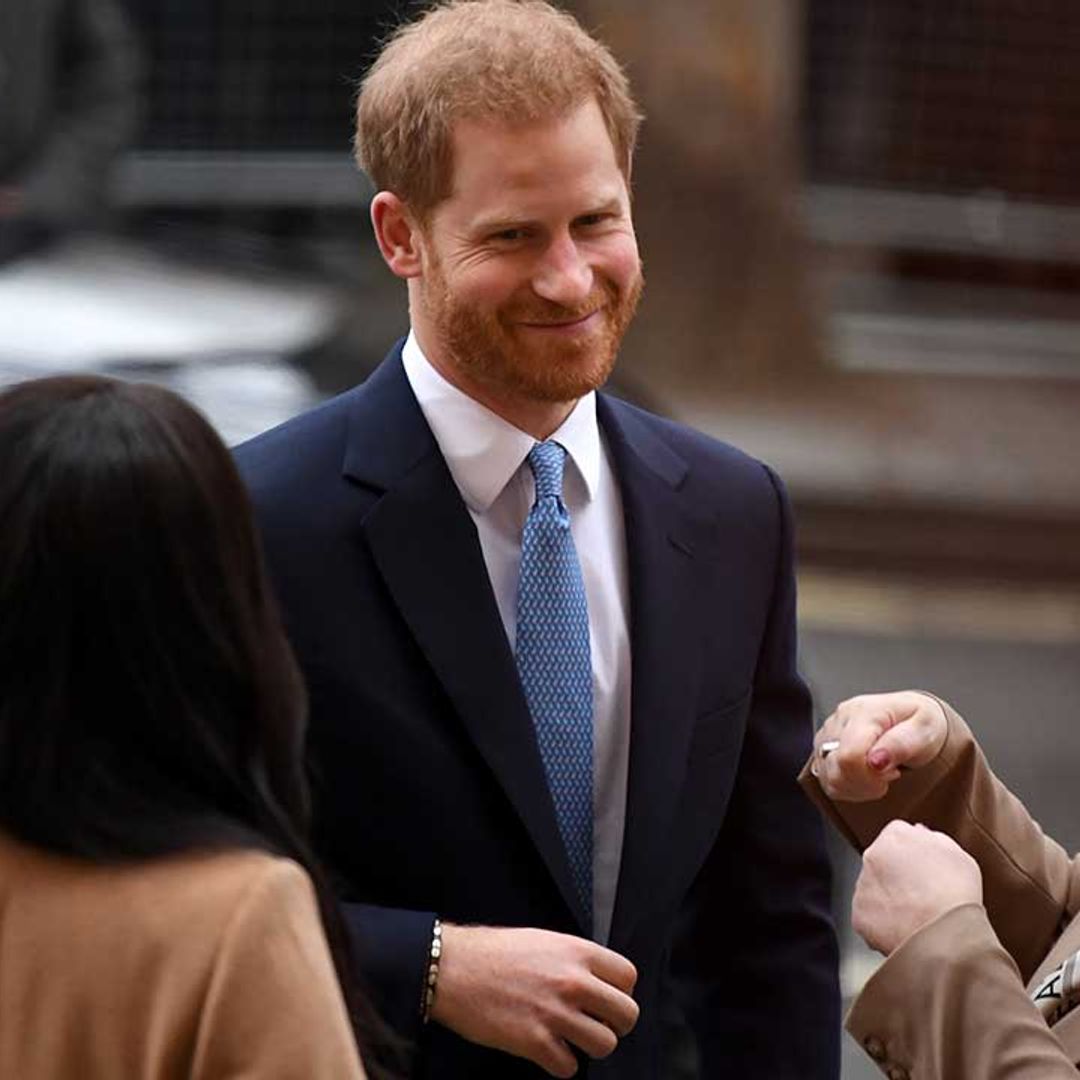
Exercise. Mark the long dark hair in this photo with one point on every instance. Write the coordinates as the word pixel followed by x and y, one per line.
pixel 149 701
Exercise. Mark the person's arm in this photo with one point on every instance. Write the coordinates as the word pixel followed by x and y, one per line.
pixel 533 993
pixel 96 109
pixel 757 951
pixel 391 947
pixel 1031 886
pixel 949 1002
pixel 273 1007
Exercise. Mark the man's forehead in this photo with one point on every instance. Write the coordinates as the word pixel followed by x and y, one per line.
pixel 573 143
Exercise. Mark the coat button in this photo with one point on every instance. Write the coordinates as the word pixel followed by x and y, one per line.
pixel 875 1048
pixel 898 1072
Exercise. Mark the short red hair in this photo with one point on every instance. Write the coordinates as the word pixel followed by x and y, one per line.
pixel 507 61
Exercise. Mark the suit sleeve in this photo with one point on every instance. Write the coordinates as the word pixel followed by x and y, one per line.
pixel 1031 887
pixel 393 946
pixel 756 953
pixel 273 1008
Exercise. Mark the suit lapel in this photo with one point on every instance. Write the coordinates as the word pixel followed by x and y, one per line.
pixel 426 548
pixel 660 541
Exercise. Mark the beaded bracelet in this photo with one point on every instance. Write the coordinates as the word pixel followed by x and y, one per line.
pixel 431 977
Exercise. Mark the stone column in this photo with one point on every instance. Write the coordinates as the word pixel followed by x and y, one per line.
pixel 716 184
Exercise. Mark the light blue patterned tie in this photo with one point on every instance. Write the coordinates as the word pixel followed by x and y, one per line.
pixel 554 663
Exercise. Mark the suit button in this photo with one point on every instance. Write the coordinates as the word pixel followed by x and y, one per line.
pixel 898 1072
pixel 875 1048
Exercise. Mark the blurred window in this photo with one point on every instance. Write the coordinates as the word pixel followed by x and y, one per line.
pixel 947 96
pixel 943 163
pixel 256 74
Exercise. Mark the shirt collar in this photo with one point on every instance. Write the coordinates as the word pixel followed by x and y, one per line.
pixel 481 449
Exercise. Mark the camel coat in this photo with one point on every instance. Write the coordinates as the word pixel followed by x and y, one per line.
pixel 953 1001
pixel 204 967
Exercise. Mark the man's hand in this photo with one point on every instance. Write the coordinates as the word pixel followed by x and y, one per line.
pixel 534 993
pixel 910 876
pixel 877 734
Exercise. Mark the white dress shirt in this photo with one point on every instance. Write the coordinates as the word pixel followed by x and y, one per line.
pixel 486 457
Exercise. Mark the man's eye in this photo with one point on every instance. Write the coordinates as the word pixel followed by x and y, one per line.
pixel 590 220
pixel 510 235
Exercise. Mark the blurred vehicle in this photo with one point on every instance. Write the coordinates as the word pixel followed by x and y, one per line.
pixel 222 340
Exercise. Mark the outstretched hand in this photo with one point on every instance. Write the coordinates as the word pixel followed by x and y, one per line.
pixel 876 735
pixel 534 993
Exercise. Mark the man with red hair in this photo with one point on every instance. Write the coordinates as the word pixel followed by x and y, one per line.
pixel 549 637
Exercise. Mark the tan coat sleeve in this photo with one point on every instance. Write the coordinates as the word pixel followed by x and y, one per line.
pixel 273 1009
pixel 949 1003
pixel 1031 887
pixel 951 1000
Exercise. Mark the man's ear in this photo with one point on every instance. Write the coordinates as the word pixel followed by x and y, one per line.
pixel 397 235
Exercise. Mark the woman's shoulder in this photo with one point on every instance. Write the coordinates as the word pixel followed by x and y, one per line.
pixel 226 875
pixel 219 885
pixel 198 891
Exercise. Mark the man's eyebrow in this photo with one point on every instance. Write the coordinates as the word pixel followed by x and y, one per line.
pixel 499 223
pixel 604 206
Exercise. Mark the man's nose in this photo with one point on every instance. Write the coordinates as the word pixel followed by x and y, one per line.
pixel 564 276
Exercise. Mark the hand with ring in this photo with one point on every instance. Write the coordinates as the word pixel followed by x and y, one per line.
pixel 863 746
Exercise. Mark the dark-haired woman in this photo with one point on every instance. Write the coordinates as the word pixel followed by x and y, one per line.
pixel 160 914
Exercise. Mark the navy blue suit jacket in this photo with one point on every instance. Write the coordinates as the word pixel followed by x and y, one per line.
pixel 431 795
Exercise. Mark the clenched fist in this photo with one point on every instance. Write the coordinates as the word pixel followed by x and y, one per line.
pixel 910 876
pixel 534 993
pixel 877 735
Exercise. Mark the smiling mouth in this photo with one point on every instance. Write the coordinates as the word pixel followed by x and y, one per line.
pixel 564 324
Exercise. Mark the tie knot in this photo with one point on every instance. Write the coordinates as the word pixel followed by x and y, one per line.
pixel 547 459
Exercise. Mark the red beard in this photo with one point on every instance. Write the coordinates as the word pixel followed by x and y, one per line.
pixel 495 350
